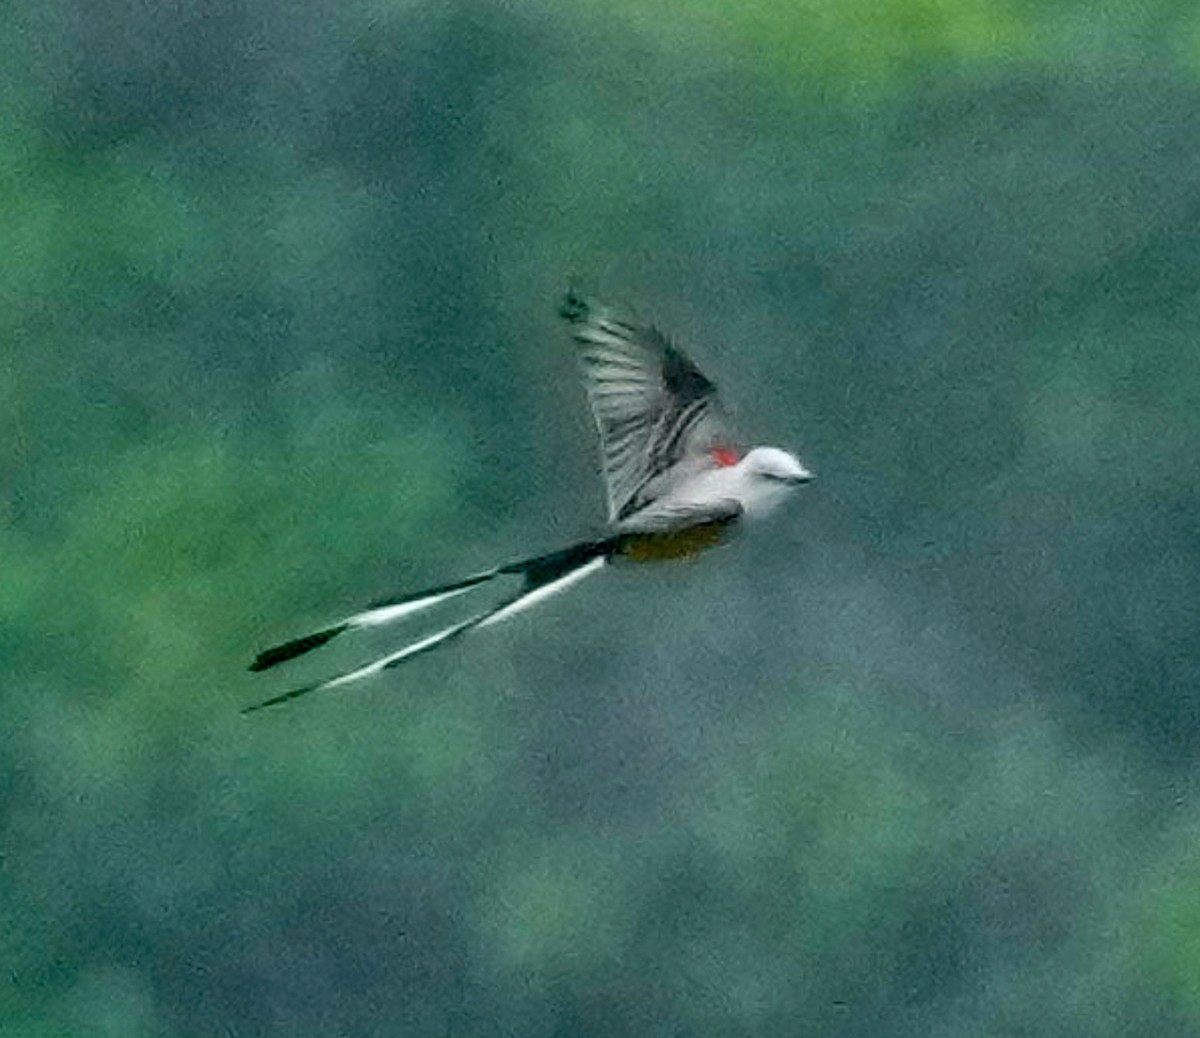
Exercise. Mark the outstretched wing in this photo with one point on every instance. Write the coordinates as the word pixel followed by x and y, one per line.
pixel 653 407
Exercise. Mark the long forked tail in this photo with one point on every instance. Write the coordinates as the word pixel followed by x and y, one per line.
pixel 543 576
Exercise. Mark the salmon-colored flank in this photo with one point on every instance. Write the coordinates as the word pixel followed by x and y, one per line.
pixel 724 456
pixel 654 547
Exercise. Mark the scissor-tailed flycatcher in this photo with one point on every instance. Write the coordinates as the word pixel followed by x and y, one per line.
pixel 676 483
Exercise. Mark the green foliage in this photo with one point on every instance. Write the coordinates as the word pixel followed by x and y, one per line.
pixel 871 44
pixel 278 295
pixel 1164 953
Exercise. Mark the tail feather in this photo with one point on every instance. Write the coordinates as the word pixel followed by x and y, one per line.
pixel 383 663
pixel 541 569
pixel 296 647
pixel 389 609
pixel 534 593
pixel 544 575
pixel 383 612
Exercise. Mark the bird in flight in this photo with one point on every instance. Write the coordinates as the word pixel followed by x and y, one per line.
pixel 677 483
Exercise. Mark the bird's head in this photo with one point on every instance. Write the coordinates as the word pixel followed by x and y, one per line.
pixel 770 475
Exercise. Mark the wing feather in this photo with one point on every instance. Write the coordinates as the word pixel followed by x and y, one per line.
pixel 653 407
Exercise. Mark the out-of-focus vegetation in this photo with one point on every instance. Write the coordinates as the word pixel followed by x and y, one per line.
pixel 278 289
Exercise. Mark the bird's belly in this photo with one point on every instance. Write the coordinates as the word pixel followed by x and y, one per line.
pixel 678 544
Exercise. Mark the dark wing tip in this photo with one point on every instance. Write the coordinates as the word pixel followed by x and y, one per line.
pixel 681 376
pixel 296 647
pixel 574 308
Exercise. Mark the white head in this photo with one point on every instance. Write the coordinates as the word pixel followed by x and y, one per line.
pixel 768 476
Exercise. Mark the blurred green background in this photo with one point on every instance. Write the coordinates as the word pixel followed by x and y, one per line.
pixel 278 287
